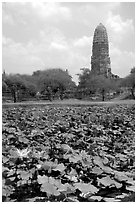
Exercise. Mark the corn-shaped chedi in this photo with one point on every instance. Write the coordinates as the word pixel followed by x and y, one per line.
pixel 100 60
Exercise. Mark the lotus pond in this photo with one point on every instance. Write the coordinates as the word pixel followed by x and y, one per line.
pixel 68 153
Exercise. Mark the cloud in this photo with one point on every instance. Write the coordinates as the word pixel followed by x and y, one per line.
pixel 116 23
pixel 92 13
pixel 121 61
pixel 118 28
pixel 34 13
pixel 53 39
pixel 6 41
pixel 114 50
pixel 7 18
pixel 58 46
pixel 12 48
pixel 111 6
pixel 50 52
pixel 83 41
pixel 52 9
pixel 18 58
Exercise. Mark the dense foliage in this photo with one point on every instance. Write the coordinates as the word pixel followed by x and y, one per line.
pixel 68 153
pixel 57 83
pixel 18 85
pixel 48 82
pixel 57 79
pixel 93 84
pixel 129 82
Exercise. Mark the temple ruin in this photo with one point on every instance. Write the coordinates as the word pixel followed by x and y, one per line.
pixel 100 60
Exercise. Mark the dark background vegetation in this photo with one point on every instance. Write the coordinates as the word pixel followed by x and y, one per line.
pixel 57 83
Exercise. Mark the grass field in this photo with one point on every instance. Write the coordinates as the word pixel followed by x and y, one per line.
pixel 73 102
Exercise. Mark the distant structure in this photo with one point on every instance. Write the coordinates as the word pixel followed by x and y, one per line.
pixel 3 75
pixel 100 60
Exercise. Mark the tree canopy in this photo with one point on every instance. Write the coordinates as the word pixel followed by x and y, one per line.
pixel 47 81
pixel 56 79
pixel 129 81
pixel 96 83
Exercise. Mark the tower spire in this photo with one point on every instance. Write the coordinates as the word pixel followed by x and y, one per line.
pixel 100 60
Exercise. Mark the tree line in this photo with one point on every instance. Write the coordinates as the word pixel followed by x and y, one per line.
pixel 40 83
pixel 51 83
pixel 98 84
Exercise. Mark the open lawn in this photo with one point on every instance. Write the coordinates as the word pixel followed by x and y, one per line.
pixel 74 102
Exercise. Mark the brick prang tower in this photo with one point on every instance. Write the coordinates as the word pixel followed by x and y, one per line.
pixel 100 60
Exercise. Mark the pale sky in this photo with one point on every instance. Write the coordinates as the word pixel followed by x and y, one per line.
pixel 42 35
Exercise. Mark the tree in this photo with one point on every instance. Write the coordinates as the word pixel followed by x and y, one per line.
pixel 47 82
pixel 15 85
pixel 20 86
pixel 52 81
pixel 90 84
pixel 82 89
pixel 129 82
pixel 100 84
pixel 30 88
pixel 4 86
pixel 83 77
